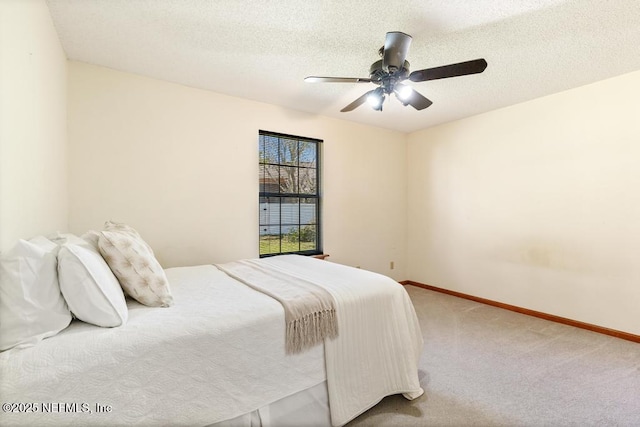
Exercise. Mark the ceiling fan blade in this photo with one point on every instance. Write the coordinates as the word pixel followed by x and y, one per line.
pixel 453 70
pixel 315 79
pixel 396 47
pixel 355 104
pixel 417 100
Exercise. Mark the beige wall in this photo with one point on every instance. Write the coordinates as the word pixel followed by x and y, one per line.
pixel 536 205
pixel 33 166
pixel 181 166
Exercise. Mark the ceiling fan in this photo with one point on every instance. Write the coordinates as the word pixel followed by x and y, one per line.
pixel 392 70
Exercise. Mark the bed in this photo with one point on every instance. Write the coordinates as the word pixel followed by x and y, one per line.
pixel 217 357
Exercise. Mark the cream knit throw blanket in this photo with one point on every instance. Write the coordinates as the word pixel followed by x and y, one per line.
pixel 309 310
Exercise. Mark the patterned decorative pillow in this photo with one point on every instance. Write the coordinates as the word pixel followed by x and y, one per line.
pixel 124 228
pixel 132 261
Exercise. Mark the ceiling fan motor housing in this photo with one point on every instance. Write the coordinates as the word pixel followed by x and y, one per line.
pixel 385 79
pixel 394 51
pixel 376 72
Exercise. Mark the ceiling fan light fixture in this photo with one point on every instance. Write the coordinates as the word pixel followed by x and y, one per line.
pixel 403 92
pixel 375 99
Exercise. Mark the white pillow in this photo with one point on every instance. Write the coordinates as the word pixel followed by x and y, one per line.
pixel 88 285
pixel 31 305
pixel 61 238
pixel 92 238
pixel 132 261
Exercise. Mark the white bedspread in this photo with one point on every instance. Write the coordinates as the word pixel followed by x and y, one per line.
pixel 379 344
pixel 217 353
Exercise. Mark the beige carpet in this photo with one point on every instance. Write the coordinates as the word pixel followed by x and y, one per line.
pixel 484 366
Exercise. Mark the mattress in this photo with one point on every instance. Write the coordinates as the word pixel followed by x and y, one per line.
pixel 218 354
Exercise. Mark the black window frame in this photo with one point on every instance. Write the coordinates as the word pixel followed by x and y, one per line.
pixel 266 191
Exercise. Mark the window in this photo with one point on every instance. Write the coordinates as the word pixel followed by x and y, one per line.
pixel 289 194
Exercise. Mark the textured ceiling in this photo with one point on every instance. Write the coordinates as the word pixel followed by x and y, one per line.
pixel 262 50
